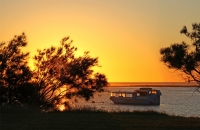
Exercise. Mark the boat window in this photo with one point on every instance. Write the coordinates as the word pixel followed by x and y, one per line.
pixel 113 94
pixel 142 94
pixel 128 95
pixel 122 95
pixel 118 94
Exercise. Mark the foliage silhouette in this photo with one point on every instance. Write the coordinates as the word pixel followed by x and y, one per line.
pixel 14 72
pixel 184 57
pixel 59 75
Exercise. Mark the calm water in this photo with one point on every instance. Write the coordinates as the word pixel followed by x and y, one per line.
pixel 180 101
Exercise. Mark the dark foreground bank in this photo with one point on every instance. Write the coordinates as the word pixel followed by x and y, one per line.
pixel 27 119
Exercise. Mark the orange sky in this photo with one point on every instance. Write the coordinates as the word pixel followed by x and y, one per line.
pixel 126 35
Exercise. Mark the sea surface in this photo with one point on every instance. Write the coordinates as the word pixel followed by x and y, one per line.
pixel 178 99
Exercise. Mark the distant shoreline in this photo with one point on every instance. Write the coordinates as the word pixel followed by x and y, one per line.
pixel 152 84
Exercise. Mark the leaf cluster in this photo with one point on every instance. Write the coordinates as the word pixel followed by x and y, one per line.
pixel 14 71
pixel 185 57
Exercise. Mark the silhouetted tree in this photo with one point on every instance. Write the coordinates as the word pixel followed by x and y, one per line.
pixel 60 75
pixel 184 57
pixel 14 71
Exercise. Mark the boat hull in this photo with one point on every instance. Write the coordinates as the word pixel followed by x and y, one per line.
pixel 132 101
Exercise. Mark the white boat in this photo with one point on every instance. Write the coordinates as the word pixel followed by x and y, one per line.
pixel 142 96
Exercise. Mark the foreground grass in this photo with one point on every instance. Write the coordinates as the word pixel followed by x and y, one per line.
pixel 24 119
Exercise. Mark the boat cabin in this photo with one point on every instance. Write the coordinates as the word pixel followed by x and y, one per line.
pixel 142 96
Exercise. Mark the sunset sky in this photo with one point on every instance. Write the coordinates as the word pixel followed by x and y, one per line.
pixel 126 35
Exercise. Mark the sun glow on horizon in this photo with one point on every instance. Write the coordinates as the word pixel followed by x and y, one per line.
pixel 125 35
pixel 61 107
